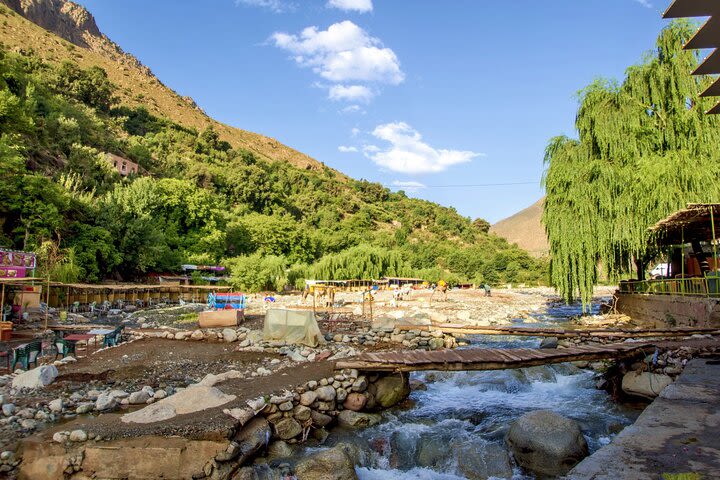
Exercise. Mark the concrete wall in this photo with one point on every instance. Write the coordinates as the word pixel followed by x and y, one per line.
pixel 670 310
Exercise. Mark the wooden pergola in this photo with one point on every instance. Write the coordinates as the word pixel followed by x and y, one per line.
pixel 708 36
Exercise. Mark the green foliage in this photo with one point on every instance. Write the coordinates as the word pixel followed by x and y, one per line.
pixel 199 200
pixel 258 272
pixel 645 148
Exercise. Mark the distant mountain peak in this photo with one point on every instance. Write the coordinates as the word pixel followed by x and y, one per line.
pixel 525 229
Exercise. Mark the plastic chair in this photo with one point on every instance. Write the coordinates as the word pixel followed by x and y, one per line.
pixel 6 312
pixel 64 347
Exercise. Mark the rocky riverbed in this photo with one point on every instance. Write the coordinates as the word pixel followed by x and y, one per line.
pixel 222 391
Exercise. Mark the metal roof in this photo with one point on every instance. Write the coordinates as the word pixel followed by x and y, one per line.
pixel 708 36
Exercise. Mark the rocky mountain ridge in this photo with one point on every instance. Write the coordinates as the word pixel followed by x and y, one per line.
pixel 31 25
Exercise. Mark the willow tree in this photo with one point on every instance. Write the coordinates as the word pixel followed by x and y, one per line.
pixel 644 148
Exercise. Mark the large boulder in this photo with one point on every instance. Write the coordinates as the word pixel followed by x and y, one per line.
pixel 546 443
pixel 478 460
pixel 288 428
pixel 253 437
pixel 391 390
pixel 36 378
pixel 332 464
pixel 355 402
pixel 645 384
pixel 348 418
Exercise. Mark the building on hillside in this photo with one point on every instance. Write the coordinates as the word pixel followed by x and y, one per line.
pixel 123 166
pixel 689 292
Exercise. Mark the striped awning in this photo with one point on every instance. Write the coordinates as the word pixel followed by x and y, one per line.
pixel 708 36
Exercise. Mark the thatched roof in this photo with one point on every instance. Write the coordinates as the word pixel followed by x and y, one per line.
pixel 691 223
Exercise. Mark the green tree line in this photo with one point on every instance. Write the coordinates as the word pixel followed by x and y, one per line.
pixel 199 200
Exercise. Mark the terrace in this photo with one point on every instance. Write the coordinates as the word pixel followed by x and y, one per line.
pixel 689 241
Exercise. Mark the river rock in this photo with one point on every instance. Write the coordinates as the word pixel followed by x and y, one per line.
pixel 56 406
pixel 320 419
pixel 8 409
pixel 325 394
pixel 645 384
pixel 78 436
pixel 36 378
pixel 546 443
pixel 549 342
pixel 332 464
pixel 391 390
pixel 360 384
pixel 287 428
pixel 308 398
pixel 137 398
pixel 197 335
pixel 302 413
pixel 105 402
pixel 279 449
pixel 480 460
pixel 355 402
pixel 229 335
pixel 348 418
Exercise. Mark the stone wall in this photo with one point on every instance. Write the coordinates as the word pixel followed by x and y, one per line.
pixel 265 424
pixel 664 311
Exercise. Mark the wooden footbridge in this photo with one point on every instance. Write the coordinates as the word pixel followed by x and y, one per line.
pixel 487 358
pixel 452 328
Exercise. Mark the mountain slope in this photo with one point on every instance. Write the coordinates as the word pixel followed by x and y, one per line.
pixel 78 39
pixel 525 229
pixel 197 198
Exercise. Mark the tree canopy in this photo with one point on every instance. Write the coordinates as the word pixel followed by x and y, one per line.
pixel 644 149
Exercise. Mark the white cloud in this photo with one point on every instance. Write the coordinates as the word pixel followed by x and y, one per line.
pixel 361 6
pixel 408 186
pixel 407 153
pixel 345 149
pixel 342 53
pixel 277 6
pixel 353 109
pixel 351 93
pixel 645 3
pixel 354 132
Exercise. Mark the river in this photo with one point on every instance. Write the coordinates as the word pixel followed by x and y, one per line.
pixel 455 427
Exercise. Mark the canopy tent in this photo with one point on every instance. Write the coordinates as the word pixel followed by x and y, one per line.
pixel 292 326
pixel 708 36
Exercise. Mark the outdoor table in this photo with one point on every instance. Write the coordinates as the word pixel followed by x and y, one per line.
pixel 76 337
pixel 101 331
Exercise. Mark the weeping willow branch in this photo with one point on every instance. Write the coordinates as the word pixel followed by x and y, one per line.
pixel 644 149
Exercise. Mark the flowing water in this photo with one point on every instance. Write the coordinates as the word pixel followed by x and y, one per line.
pixel 455 428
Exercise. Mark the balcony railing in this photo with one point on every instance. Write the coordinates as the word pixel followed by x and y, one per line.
pixel 695 286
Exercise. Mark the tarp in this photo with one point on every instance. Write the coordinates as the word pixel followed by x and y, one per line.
pixel 292 326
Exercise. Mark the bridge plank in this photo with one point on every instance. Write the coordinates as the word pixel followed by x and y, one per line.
pixel 484 358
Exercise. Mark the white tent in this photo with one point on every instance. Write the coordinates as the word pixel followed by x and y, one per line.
pixel 292 326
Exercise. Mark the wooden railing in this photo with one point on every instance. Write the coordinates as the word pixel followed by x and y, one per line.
pixel 695 286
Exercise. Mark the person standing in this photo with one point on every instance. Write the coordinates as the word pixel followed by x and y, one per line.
pixel 486 287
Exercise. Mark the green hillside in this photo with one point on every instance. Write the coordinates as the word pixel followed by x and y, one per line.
pixel 202 199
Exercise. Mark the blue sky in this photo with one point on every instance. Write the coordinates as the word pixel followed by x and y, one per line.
pixel 433 94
